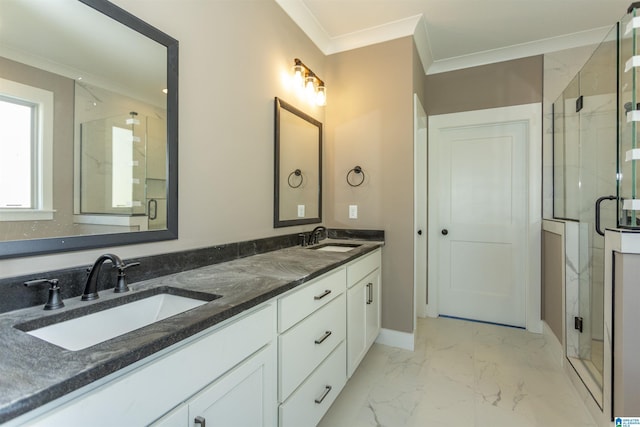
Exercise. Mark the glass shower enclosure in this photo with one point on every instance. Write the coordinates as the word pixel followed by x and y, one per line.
pixel 585 171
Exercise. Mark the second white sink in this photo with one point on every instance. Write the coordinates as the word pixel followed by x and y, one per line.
pixel 336 247
pixel 82 332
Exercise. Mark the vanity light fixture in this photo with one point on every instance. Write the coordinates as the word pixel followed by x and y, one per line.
pixel 305 78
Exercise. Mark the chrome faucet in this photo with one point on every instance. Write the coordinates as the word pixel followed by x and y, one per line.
pixel 314 236
pixel 91 287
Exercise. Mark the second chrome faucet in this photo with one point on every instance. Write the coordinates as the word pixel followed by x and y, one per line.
pixel 91 286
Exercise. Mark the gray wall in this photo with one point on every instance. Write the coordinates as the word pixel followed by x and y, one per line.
pixel 552 281
pixel 488 86
pixel 626 344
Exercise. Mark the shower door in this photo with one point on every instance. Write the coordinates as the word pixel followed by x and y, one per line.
pixel 585 140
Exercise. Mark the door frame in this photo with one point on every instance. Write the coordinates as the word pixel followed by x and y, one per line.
pixel 420 188
pixel 532 114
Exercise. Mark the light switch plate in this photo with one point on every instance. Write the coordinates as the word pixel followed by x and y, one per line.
pixel 300 211
pixel 353 211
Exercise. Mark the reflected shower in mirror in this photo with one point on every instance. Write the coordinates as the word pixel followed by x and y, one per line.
pixel 298 167
pixel 100 86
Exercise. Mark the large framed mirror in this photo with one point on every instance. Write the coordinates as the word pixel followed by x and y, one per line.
pixel 89 128
pixel 298 167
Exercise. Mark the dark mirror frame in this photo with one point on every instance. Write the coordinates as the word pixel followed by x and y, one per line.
pixel 277 223
pixel 21 248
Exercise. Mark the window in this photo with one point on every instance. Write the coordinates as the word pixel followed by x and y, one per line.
pixel 26 139
pixel 122 176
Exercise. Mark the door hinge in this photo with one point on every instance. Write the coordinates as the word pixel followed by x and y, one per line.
pixel 577 323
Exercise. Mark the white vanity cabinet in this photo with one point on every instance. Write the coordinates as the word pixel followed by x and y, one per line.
pixel 311 355
pixel 282 363
pixel 363 307
pixel 228 373
pixel 245 396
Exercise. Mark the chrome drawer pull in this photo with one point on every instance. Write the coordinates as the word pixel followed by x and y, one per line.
pixel 324 337
pixel 200 420
pixel 327 389
pixel 369 293
pixel 322 295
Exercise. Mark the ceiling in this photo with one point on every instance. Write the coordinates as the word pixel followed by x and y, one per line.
pixel 452 34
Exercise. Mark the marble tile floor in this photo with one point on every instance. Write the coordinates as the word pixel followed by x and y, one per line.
pixel 460 374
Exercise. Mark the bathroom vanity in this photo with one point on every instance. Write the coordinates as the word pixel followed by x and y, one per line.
pixel 275 349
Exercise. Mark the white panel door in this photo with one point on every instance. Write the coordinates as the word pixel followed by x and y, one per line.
pixel 481 221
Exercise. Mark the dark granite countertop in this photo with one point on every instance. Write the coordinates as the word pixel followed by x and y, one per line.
pixel 35 372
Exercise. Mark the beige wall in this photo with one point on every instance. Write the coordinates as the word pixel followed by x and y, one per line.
pixel 63 94
pixel 370 124
pixel 235 57
pixel 488 86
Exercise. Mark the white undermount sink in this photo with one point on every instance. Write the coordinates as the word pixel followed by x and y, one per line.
pixel 336 247
pixel 85 331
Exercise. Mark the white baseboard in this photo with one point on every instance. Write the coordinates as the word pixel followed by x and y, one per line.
pixel 404 340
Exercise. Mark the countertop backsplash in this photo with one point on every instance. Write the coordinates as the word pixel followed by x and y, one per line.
pixel 16 296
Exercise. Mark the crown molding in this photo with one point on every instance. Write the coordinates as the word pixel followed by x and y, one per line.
pixel 302 16
pixel 381 33
pixel 539 47
pixel 416 26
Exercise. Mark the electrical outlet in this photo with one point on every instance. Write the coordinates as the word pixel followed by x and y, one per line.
pixel 353 211
pixel 300 211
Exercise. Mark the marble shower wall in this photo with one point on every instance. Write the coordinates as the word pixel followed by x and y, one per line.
pixel 559 69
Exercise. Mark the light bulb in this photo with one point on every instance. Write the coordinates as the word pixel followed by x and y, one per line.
pixel 310 87
pixel 298 80
pixel 321 96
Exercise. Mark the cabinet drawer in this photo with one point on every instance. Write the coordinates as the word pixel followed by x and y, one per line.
pixel 310 402
pixel 362 267
pixel 298 305
pixel 306 345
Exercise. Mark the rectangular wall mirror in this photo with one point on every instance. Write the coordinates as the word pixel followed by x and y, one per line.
pixel 90 93
pixel 298 167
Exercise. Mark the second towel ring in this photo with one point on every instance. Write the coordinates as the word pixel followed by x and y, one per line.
pixel 356 170
pixel 296 172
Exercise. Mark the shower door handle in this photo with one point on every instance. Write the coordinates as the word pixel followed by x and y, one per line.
pixel 598 203
pixel 154 203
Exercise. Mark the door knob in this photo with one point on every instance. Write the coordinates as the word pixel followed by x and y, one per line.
pixel 444 231
pixel 419 232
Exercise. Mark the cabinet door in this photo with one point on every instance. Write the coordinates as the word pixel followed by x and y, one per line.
pixel 372 285
pixel 245 396
pixel 179 417
pixel 356 321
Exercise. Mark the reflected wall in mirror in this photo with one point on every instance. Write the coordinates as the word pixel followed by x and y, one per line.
pixel 97 164
pixel 298 167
